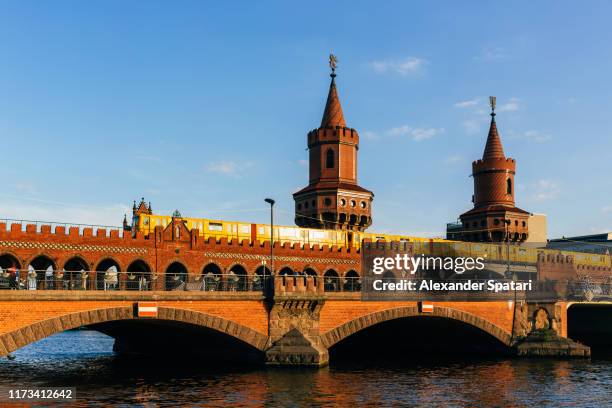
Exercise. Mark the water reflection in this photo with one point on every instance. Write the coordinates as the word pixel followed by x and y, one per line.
pixel 84 359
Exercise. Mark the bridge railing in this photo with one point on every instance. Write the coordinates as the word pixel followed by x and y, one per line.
pixel 14 279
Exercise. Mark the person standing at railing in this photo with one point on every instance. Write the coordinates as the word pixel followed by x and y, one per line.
pixel 142 283
pixel 17 279
pixel 12 277
pixel 49 277
pixel 31 278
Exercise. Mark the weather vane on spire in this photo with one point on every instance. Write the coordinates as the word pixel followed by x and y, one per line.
pixel 333 63
pixel 492 102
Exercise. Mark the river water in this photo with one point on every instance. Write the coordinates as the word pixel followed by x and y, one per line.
pixel 84 359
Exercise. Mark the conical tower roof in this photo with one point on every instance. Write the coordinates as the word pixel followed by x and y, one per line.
pixel 493 148
pixel 333 116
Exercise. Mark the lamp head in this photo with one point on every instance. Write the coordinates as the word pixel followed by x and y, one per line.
pixel 269 201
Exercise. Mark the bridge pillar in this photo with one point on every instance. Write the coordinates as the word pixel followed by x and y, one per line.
pixel 540 330
pixel 294 331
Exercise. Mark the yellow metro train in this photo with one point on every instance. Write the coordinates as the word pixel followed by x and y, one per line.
pixel 233 230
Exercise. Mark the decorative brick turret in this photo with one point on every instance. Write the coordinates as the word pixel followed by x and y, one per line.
pixel 333 199
pixel 494 216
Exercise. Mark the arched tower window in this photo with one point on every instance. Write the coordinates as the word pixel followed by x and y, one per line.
pixel 508 186
pixel 329 159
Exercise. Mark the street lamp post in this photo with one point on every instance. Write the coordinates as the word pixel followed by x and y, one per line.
pixel 507 224
pixel 271 202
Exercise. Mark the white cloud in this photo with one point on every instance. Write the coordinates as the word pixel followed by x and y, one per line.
pixel 536 136
pixel 228 168
pixel 544 190
pixel 468 103
pixel 370 135
pixel 511 106
pixel 607 208
pixel 416 134
pixel 406 66
pixel 531 136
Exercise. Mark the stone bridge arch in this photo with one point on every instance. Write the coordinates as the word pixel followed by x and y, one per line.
pixel 23 336
pixel 349 328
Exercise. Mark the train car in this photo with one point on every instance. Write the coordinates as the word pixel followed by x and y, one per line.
pixel 234 230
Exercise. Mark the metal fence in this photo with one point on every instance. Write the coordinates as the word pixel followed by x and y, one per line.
pixel 134 281
pixel 14 279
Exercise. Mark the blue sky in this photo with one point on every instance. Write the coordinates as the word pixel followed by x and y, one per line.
pixel 205 106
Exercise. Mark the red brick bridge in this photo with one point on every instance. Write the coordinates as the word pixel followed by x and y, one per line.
pixel 305 318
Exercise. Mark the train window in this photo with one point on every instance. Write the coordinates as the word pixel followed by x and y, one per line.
pixel 288 232
pixel 245 229
pixel 261 230
pixel 215 226
pixel 317 234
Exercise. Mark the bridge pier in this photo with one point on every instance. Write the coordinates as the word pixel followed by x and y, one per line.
pixel 540 330
pixel 294 332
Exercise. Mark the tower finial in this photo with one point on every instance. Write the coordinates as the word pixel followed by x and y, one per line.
pixel 492 102
pixel 333 63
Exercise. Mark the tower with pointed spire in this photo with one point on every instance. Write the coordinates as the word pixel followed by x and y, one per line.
pixel 137 211
pixel 333 199
pixel 495 217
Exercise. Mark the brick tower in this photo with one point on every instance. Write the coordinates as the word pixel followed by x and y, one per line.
pixel 333 199
pixel 494 216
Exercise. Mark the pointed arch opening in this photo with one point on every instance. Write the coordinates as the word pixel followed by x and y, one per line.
pixel 331 281
pixel 107 274
pixel 176 276
pixel 236 278
pixel 45 272
pixel 9 265
pixel 211 277
pixel 139 276
pixel 75 273
pixel 351 282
